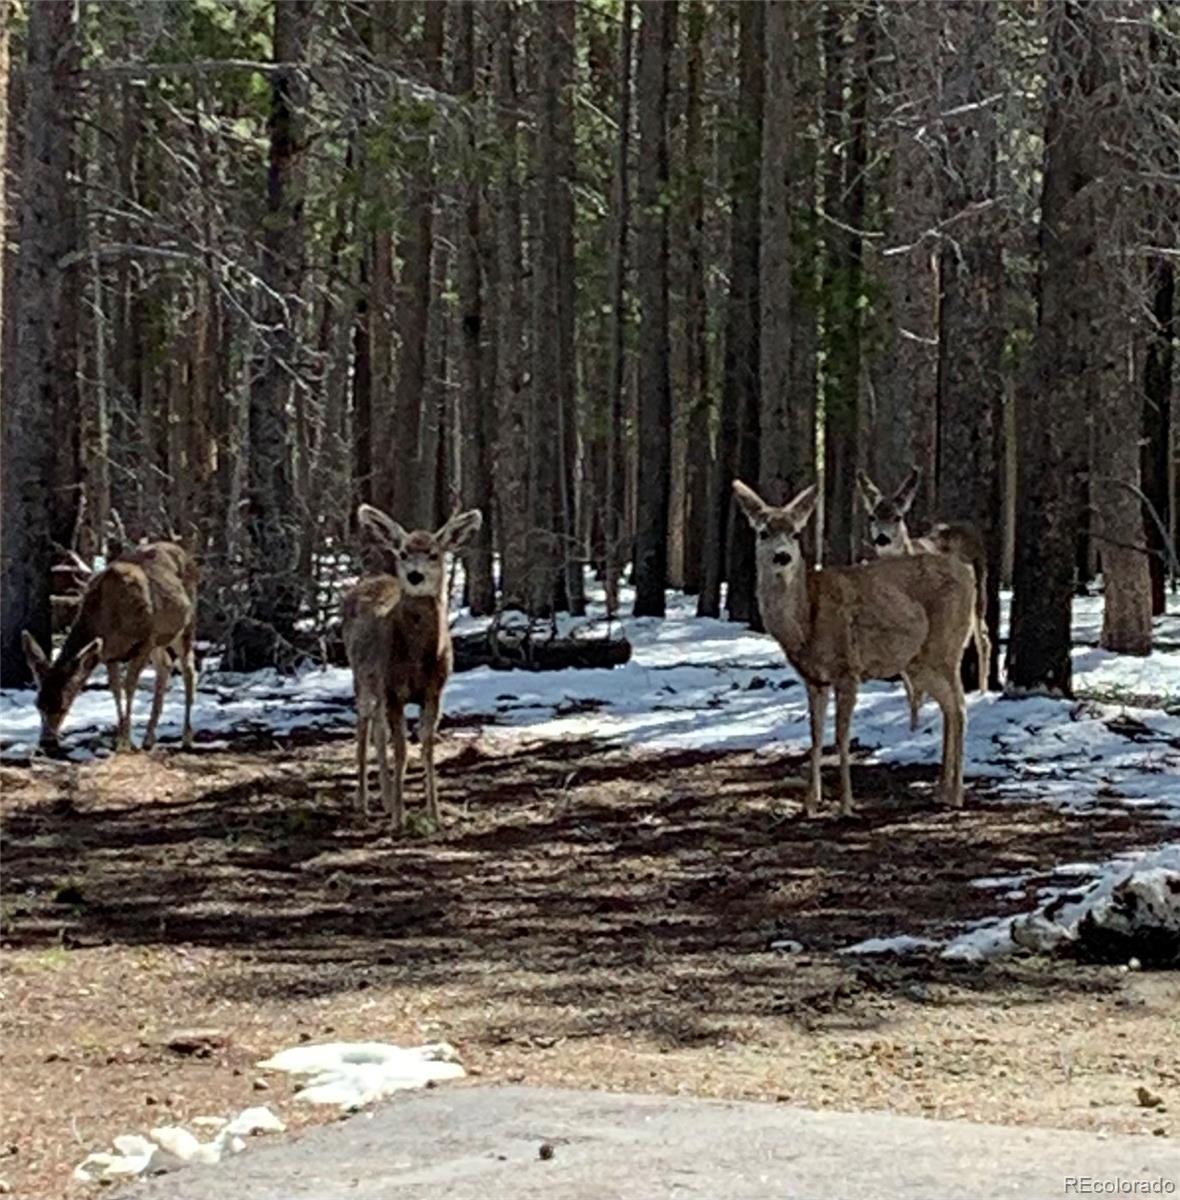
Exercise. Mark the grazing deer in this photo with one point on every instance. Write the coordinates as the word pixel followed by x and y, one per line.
pixel 891 539
pixel 140 607
pixel 398 641
pixel 840 625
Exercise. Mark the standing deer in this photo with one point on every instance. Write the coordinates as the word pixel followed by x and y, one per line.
pixel 398 641
pixel 840 625
pixel 141 607
pixel 891 539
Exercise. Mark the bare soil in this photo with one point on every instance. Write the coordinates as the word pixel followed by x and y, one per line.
pixel 587 918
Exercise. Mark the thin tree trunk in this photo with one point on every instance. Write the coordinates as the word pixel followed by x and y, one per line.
pixel 474 399
pixel 616 473
pixel 903 432
pixel 1157 425
pixel 655 395
pixel 971 338
pixel 697 448
pixel 272 521
pixel 740 393
pixel 33 398
pixel 512 445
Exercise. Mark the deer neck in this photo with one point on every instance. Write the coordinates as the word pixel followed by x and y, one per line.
pixel 785 603
pixel 427 615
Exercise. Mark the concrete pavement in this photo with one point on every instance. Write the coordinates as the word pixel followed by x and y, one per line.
pixel 485 1143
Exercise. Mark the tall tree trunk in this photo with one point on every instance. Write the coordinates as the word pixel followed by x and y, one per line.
pixel 404 468
pixel 512 443
pixel 41 381
pixel 971 338
pixel 655 395
pixel 474 398
pixel 906 375
pixel 1157 425
pixel 616 473
pixel 271 523
pixel 845 65
pixel 697 393
pixel 740 391
pixel 804 307
pixel 1052 442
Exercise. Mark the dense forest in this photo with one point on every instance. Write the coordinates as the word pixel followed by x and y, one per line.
pixel 579 264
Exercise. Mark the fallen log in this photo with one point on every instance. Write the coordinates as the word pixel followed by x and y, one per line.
pixel 505 651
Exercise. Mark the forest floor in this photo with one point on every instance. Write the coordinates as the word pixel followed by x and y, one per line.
pixel 592 915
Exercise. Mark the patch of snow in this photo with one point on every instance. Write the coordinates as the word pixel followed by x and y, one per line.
pixel 902 943
pixel 351 1075
pixel 169 1147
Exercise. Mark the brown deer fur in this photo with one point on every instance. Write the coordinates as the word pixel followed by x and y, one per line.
pixel 840 625
pixel 890 538
pixel 143 606
pixel 398 641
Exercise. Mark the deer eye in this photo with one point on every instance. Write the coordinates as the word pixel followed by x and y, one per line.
pixel 764 534
pixel 405 555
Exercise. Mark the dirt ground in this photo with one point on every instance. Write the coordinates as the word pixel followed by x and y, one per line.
pixel 588 918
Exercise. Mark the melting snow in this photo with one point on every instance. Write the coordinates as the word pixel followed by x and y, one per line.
pixel 353 1074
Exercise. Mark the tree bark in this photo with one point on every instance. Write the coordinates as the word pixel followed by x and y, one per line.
pixel 1157 425
pixel 512 440
pixel 271 522
pixel 616 470
pixel 740 389
pixel 906 368
pixel 42 382
pixel 1075 239
pixel 698 450
pixel 655 393
pixel 474 400
pixel 971 336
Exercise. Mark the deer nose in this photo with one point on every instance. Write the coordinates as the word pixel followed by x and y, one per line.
pixel 880 540
pixel 414 578
pixel 781 558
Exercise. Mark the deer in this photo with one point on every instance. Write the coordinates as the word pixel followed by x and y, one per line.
pixel 890 538
pixel 141 607
pixel 398 641
pixel 839 626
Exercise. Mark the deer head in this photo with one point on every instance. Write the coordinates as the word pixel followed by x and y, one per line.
pixel 777 551
pixel 59 682
pixel 887 526
pixel 418 556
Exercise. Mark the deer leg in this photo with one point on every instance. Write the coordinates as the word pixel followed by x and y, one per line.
pixel 163 668
pixel 115 681
pixel 817 703
pixel 914 696
pixel 130 683
pixel 188 665
pixel 983 650
pixel 948 693
pixel 381 737
pixel 429 731
pixel 362 760
pixel 845 703
pixel 397 727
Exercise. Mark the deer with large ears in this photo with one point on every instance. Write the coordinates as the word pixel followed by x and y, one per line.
pixel 841 625
pixel 141 608
pixel 891 538
pixel 398 641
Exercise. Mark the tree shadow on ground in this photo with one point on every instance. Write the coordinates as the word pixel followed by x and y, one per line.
pixel 596 887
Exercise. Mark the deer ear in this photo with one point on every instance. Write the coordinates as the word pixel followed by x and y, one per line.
pixel 37 659
pixel 460 529
pixel 90 656
pixel 869 492
pixel 799 511
pixel 386 529
pixel 907 491
pixel 756 509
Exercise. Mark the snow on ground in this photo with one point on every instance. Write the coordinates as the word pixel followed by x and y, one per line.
pixel 711 684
